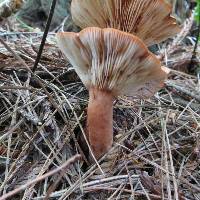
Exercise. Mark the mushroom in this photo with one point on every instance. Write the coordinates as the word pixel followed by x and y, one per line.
pixel 150 20
pixel 110 63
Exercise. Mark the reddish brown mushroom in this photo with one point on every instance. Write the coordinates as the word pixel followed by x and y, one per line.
pixel 110 63
pixel 150 20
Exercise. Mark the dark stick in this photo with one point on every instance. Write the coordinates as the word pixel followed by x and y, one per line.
pixel 51 12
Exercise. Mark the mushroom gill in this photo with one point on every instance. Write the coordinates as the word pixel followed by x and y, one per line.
pixel 150 20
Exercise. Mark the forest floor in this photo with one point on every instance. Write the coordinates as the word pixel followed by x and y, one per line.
pixel 156 151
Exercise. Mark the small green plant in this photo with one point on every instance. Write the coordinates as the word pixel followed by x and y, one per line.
pixel 197 18
pixel 197 11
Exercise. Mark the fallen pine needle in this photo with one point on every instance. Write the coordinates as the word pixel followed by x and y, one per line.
pixel 54 171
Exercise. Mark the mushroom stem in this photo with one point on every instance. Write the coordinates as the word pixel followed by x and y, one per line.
pixel 100 121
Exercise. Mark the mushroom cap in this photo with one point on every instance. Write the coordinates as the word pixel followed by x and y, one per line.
pixel 112 60
pixel 150 20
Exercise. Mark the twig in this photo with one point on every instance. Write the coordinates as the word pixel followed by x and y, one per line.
pixel 5 136
pixel 4 87
pixel 53 186
pixel 51 12
pixel 54 171
pixel 24 33
pixel 183 90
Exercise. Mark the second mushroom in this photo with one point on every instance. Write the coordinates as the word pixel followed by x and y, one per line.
pixel 110 63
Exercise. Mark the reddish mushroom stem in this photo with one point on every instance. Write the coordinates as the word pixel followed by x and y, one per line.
pixel 100 121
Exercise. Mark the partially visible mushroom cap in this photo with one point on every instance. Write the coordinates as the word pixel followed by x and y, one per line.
pixel 113 60
pixel 150 20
